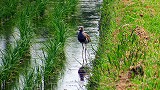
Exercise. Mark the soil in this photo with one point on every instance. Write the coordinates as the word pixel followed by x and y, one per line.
pixel 140 31
pixel 124 78
pixel 124 82
pixel 127 2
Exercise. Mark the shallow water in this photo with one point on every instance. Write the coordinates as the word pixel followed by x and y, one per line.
pixel 89 18
pixel 7 38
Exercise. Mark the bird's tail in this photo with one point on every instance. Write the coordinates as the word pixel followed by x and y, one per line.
pixel 88 39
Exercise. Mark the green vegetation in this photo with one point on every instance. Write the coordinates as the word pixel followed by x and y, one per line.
pixel 129 36
pixel 54 47
pixel 129 41
pixel 15 56
pixel 45 18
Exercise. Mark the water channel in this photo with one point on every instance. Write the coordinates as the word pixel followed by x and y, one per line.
pixel 89 18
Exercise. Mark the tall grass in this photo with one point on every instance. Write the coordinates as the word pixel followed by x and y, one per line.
pixel 97 63
pixel 16 56
pixel 8 9
pixel 32 79
pixel 54 62
pixel 54 47
pixel 121 47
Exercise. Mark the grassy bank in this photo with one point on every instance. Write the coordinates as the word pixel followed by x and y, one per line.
pixel 128 55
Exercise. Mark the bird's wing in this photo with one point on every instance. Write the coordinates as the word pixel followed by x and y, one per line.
pixel 87 36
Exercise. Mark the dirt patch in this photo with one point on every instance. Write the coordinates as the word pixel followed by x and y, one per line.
pixel 140 31
pixel 124 78
pixel 142 1
pixel 124 82
pixel 118 20
pixel 151 10
pixel 115 33
pixel 135 70
pixel 128 2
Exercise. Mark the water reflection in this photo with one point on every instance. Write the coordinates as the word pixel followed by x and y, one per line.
pixel 83 71
pixel 75 75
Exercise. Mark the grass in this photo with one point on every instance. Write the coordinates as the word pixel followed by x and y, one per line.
pixel 8 10
pixel 54 47
pixel 29 16
pixel 121 46
pixel 16 55
pixel 32 79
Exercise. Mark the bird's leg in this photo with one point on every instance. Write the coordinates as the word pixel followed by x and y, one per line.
pixel 88 53
pixel 85 53
pixel 82 53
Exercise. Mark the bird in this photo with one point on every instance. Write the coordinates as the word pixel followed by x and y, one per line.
pixel 83 38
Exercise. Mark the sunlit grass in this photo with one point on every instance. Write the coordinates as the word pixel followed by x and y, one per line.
pixel 120 46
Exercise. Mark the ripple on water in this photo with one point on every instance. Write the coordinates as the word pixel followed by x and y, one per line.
pixel 90 20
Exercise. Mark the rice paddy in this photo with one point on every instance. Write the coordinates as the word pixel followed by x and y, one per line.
pixel 33 19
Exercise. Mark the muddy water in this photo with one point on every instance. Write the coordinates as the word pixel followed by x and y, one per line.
pixel 89 18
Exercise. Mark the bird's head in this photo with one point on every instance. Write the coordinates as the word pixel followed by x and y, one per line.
pixel 81 28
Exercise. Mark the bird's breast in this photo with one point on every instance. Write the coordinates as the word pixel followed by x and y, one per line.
pixel 81 37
